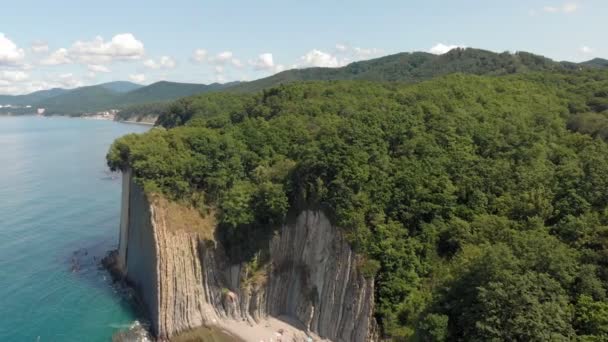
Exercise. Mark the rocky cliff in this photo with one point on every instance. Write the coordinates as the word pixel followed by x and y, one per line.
pixel 168 253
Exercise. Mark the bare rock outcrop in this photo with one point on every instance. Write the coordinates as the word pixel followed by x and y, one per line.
pixel 315 279
pixel 168 254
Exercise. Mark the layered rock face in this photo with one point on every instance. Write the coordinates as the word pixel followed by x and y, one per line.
pixel 314 278
pixel 181 274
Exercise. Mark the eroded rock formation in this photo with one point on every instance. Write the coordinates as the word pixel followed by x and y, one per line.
pixel 168 254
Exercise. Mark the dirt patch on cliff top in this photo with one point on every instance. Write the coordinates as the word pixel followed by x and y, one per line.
pixel 181 217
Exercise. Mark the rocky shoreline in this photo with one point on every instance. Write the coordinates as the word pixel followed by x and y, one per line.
pixel 309 288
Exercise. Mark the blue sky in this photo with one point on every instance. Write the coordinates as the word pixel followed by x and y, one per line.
pixel 69 43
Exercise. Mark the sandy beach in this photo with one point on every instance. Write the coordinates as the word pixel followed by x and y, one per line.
pixel 282 329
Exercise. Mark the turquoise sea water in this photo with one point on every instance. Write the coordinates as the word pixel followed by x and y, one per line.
pixel 59 213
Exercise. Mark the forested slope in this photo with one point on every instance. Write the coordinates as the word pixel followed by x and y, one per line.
pixel 479 203
pixel 420 66
pixel 400 67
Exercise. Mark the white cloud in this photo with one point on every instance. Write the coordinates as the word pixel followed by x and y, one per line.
pixel 123 46
pixel 344 55
pixel 68 80
pixel 199 55
pixel 11 89
pixel 96 52
pixel 220 73
pixel 361 53
pixel 263 62
pixel 150 63
pixel 26 66
pixel 39 47
pixel 222 57
pixel 13 76
pixel 237 63
pixel 13 84
pixel 137 78
pixel 266 62
pixel 440 48
pixel 26 86
pixel 98 68
pixel 586 50
pixel 58 57
pixel 318 58
pixel 347 54
pixel 10 54
pixel 569 7
pixel 165 62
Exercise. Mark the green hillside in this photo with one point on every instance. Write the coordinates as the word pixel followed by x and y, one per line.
pixel 408 68
pixel 417 66
pixel 116 95
pixel 402 67
pixel 165 91
pixel 80 100
pixel 121 86
pixel 32 98
pixel 596 63
pixel 478 203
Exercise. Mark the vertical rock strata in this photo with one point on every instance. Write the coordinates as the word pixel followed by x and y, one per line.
pixel 315 279
pixel 184 280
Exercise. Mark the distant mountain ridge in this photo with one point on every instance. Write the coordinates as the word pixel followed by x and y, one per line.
pixel 401 67
pixel 167 91
pixel 32 98
pixel 596 63
pixel 121 86
pixel 420 66
pixel 112 95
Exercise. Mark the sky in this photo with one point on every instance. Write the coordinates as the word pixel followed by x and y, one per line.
pixel 68 43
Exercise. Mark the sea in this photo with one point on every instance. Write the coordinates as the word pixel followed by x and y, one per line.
pixel 59 215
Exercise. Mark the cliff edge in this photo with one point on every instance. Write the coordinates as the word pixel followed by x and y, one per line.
pixel 310 279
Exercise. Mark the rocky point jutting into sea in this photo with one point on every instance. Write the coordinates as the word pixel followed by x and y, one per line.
pixel 168 253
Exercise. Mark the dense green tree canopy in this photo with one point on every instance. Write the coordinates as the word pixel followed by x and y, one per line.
pixel 480 203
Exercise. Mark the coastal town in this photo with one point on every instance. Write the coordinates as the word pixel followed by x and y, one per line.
pixel 103 115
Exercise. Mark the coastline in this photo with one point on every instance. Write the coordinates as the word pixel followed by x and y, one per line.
pixel 68 303
pixel 133 122
pixel 136 122
pixel 268 329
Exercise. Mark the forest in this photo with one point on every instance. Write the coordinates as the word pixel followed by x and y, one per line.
pixel 478 203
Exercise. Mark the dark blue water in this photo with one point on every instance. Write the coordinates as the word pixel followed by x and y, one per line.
pixel 59 213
